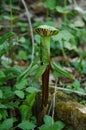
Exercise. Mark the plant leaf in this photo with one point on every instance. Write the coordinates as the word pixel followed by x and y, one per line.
pixel 32 90
pixel 39 72
pixel 63 35
pixel 2 75
pixel 7 124
pixel 56 126
pixel 21 85
pixel 60 70
pixel 19 93
pixel 25 112
pixel 5 37
pixel 48 120
pixel 2 106
pixel 50 4
pixel 26 125
pixel 76 84
pixel 79 23
pixel 28 71
pixel 62 10
pixel 22 55
pixel 30 100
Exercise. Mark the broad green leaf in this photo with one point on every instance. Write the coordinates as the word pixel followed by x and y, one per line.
pixel 22 24
pixel 79 23
pixel 2 75
pixel 5 64
pixel 25 112
pixel 48 120
pixel 40 70
pixel 60 125
pixel 22 40
pixel 26 108
pixel 19 93
pixel 26 125
pixel 32 90
pixel 12 105
pixel 76 84
pixel 60 70
pixel 22 55
pixel 22 84
pixel 4 113
pixel 12 72
pixel 62 10
pixel 8 18
pixel 5 37
pixel 55 74
pixel 7 92
pixel 4 48
pixel 63 35
pixel 30 100
pixel 69 46
pixel 15 70
pixel 37 38
pixel 56 126
pixel 2 106
pixel 50 4
pixel 7 124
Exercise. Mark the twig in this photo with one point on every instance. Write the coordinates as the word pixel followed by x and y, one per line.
pixel 30 25
pixel 54 100
pixel 69 90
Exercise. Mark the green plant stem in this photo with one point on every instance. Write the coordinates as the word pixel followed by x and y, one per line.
pixel 65 15
pixel 11 16
pixel 65 3
pixel 45 76
pixel 63 51
pixel 45 86
pixel 45 49
pixel 47 15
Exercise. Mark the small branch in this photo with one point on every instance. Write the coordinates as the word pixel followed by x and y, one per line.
pixel 69 90
pixel 30 25
pixel 54 100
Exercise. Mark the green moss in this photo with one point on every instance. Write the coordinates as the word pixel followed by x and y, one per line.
pixel 70 111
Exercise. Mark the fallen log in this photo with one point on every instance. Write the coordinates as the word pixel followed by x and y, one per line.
pixel 70 111
pixel 67 109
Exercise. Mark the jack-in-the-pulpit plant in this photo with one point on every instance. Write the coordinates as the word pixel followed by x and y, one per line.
pixel 42 68
pixel 45 32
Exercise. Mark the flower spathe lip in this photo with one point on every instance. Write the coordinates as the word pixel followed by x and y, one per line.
pixel 45 30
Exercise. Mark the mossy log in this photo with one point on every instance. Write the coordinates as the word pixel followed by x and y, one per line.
pixel 70 111
pixel 67 109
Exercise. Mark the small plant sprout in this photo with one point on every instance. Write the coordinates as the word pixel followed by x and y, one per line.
pixel 45 32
